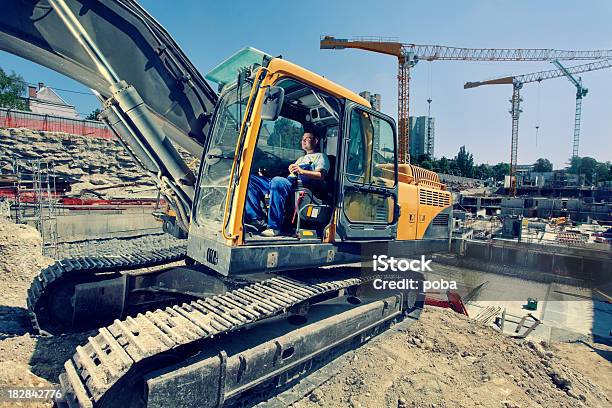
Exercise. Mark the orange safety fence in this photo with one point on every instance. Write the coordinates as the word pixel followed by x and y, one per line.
pixel 10 118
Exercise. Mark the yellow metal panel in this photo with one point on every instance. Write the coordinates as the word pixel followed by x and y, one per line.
pixel 409 202
pixel 431 202
pixel 416 212
pixel 283 67
pixel 277 69
pixel 240 192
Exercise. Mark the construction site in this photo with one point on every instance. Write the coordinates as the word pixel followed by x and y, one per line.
pixel 261 236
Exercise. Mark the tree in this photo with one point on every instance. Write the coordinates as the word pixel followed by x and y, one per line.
pixel 483 171
pixel 588 166
pixel 602 171
pixel 465 162
pixel 574 165
pixel 500 170
pixel 592 170
pixel 94 114
pixel 542 166
pixel 286 134
pixel 12 87
pixel 443 165
pixel 454 168
pixel 428 165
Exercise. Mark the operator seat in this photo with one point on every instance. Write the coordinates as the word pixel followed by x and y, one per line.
pixel 312 207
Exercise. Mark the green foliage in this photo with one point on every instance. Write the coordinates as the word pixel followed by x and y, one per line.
pixel 94 114
pixel 465 162
pixel 463 165
pixel 483 171
pixel 587 167
pixel 574 165
pixel 12 87
pixel 444 165
pixel 603 171
pixel 542 166
pixel 427 162
pixel 500 170
pixel 286 133
pixel 592 170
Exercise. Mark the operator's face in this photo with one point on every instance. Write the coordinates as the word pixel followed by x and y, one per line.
pixel 309 142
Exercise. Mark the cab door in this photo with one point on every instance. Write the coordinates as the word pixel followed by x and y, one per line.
pixel 367 204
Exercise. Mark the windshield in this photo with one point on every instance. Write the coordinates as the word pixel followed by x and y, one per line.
pixel 217 163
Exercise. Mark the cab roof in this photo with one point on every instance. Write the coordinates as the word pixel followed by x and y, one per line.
pixel 284 67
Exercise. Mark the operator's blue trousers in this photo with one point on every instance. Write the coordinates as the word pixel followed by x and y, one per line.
pixel 278 188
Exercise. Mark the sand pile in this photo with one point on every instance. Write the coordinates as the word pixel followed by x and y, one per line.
pixel 446 360
pixel 25 360
pixel 20 261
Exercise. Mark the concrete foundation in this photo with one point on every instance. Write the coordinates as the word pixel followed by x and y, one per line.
pixel 95 224
pixel 541 263
pixel 567 312
pixel 563 279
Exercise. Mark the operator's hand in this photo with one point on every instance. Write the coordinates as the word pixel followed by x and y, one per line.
pixel 294 168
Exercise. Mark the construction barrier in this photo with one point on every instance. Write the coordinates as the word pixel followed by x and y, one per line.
pixel 10 118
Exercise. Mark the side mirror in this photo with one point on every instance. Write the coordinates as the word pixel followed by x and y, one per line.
pixel 273 103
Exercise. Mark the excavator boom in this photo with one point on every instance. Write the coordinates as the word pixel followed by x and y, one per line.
pixel 154 99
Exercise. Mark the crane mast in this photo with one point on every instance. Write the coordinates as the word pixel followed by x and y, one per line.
pixel 515 111
pixel 409 54
pixel 580 93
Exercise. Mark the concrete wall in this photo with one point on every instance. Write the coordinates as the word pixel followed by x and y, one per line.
pixel 576 266
pixel 97 225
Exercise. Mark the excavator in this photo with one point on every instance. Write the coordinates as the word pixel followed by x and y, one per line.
pixel 232 316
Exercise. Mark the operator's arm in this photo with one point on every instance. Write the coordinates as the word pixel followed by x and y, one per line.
pixel 320 164
pixel 311 174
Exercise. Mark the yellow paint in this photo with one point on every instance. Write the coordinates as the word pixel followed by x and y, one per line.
pixel 415 216
pixel 282 68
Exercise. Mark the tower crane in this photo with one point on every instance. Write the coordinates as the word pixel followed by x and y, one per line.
pixel 517 83
pixel 581 92
pixel 409 54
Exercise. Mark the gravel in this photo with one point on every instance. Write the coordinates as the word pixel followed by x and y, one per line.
pixel 115 247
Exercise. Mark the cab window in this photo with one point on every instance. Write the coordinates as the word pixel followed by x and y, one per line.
pixel 371 150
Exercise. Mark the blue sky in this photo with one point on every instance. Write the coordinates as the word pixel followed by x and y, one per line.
pixel 478 118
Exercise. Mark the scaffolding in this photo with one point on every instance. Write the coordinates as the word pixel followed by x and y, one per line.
pixel 35 200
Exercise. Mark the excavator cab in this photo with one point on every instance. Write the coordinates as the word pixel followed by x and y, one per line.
pixel 257 127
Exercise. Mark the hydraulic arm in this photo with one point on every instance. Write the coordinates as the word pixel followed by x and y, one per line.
pixel 153 98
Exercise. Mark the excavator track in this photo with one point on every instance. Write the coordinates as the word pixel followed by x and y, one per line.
pixel 56 281
pixel 127 350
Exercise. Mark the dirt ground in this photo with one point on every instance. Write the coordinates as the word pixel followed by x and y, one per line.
pixel 25 360
pixel 448 360
pixel 444 360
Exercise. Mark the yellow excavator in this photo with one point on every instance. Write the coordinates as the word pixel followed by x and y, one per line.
pixel 247 314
